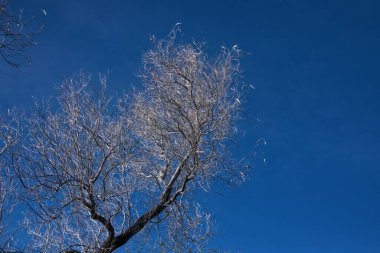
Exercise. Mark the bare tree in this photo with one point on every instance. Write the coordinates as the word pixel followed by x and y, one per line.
pixel 9 135
pixel 14 38
pixel 103 173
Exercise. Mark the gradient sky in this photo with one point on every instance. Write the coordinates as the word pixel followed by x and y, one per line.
pixel 317 103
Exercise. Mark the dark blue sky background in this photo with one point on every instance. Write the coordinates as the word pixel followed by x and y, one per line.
pixel 315 68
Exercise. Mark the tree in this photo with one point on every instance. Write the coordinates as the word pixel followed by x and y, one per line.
pixel 9 135
pixel 14 39
pixel 101 175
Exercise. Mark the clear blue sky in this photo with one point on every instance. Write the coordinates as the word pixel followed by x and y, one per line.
pixel 315 68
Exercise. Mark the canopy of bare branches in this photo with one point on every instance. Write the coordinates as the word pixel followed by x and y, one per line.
pixel 14 37
pixel 100 173
pixel 9 135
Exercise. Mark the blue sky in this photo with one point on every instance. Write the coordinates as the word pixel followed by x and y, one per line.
pixel 315 68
